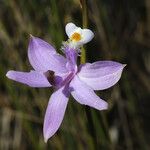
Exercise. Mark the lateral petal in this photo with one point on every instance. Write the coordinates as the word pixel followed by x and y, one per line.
pixel 32 78
pixel 70 28
pixel 87 36
pixel 101 74
pixel 55 112
pixel 43 56
pixel 85 95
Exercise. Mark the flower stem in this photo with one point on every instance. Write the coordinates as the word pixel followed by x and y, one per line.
pixel 83 60
pixel 84 24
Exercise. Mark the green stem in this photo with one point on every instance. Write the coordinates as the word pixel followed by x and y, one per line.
pixel 83 55
pixel 83 60
pixel 84 14
pixel 84 24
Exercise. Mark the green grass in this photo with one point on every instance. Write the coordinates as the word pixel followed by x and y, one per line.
pixel 122 33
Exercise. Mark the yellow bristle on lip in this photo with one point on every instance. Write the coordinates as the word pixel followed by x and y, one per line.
pixel 76 37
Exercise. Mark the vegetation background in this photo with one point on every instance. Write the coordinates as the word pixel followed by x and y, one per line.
pixel 122 33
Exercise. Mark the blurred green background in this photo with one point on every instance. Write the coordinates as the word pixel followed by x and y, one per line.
pixel 122 33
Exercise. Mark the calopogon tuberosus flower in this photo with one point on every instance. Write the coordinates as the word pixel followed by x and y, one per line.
pixel 62 73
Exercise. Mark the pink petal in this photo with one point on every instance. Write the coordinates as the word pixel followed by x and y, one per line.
pixel 32 78
pixel 55 112
pixel 85 95
pixel 43 56
pixel 101 74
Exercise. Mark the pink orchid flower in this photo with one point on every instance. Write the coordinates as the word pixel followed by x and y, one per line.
pixel 63 74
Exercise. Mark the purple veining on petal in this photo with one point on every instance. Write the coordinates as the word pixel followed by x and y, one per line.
pixel 71 56
pixel 101 74
pixel 43 57
pixel 85 95
pixel 55 112
pixel 32 78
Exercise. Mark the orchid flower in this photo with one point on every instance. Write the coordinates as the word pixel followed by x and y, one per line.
pixel 63 74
